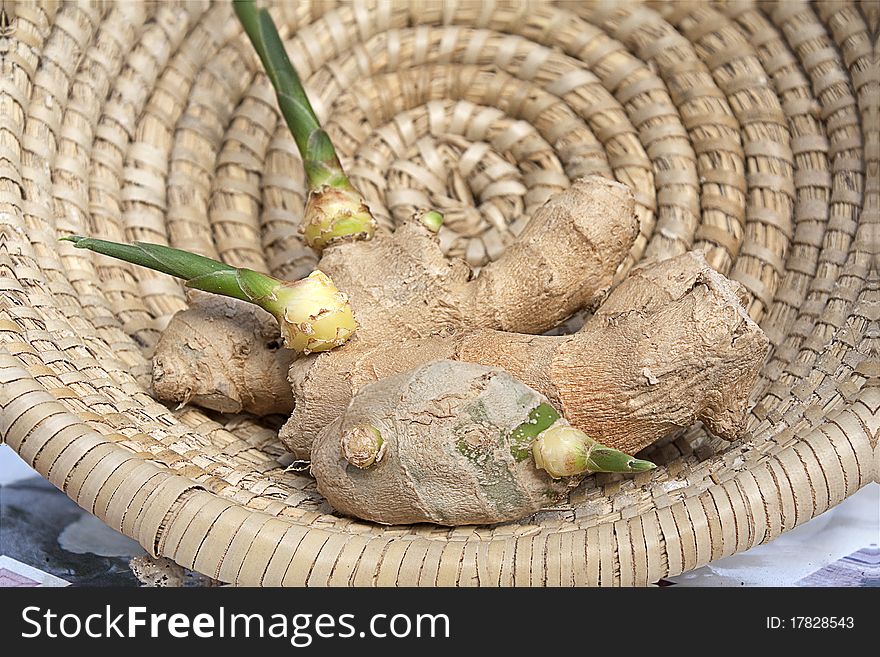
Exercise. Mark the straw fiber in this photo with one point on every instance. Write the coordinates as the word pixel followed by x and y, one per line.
pixel 748 130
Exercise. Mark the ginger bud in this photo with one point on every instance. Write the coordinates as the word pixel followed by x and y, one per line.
pixel 563 451
pixel 363 446
pixel 312 314
pixel 432 220
pixel 334 209
pixel 334 213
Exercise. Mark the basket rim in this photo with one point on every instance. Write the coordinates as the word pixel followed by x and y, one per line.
pixel 159 509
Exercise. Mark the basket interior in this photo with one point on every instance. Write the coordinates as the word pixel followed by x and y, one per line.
pixel 741 131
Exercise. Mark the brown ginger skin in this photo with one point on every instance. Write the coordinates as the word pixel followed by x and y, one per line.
pixel 245 370
pixel 401 286
pixel 445 453
pixel 671 345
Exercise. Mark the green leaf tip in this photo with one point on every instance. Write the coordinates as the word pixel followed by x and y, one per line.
pixel 158 257
pixel 608 459
pixel 638 465
pixel 320 160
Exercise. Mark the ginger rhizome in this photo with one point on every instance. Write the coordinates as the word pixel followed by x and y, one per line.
pixel 452 443
pixel 222 339
pixel 402 287
pixel 238 333
pixel 671 345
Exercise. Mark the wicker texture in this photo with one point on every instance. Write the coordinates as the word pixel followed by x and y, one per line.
pixel 747 130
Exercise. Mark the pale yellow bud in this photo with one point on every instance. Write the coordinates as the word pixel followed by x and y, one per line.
pixel 561 450
pixel 564 451
pixel 313 314
pixel 332 213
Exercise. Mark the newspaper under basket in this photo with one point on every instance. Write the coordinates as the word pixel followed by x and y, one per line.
pixel 750 133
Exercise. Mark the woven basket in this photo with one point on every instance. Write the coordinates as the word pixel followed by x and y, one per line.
pixel 750 132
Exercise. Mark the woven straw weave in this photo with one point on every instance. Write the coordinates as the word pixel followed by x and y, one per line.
pixel 747 130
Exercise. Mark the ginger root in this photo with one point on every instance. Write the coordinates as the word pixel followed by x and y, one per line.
pixel 246 369
pixel 401 287
pixel 671 345
pixel 405 423
pixel 452 443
